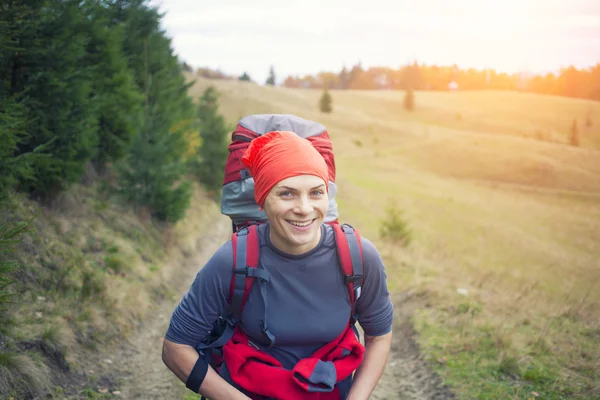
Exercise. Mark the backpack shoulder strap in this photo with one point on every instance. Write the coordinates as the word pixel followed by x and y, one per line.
pixel 245 267
pixel 349 251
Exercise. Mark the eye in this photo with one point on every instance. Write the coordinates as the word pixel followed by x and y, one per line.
pixel 285 193
pixel 318 192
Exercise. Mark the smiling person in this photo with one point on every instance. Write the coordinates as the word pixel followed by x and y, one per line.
pixel 295 338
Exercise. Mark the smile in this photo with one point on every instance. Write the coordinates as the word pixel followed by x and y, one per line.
pixel 300 224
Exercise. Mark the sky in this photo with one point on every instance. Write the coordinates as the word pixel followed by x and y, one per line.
pixel 308 36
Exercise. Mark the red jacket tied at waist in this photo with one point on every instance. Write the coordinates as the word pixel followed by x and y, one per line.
pixel 312 378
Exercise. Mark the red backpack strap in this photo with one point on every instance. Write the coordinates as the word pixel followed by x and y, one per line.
pixel 245 268
pixel 351 260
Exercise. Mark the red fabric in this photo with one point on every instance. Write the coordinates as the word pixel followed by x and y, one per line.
pixel 344 254
pixel 252 254
pixel 279 155
pixel 261 374
pixel 241 138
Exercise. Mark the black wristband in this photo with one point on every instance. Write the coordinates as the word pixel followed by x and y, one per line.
pixel 197 375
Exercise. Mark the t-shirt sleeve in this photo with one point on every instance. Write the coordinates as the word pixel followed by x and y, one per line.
pixel 374 306
pixel 206 300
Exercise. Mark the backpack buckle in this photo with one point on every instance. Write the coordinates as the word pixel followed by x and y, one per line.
pixel 353 278
pixel 241 271
pixel 243 231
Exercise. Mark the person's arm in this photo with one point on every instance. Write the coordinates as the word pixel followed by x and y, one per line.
pixel 375 315
pixel 193 320
pixel 377 350
pixel 181 358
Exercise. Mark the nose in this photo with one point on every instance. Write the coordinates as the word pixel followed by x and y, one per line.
pixel 303 206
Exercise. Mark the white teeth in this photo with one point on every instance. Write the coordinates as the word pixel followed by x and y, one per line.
pixel 300 223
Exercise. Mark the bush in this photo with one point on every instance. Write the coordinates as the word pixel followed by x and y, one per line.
pixel 394 228
pixel 9 237
pixel 409 100
pixel 574 134
pixel 21 376
pixel 325 102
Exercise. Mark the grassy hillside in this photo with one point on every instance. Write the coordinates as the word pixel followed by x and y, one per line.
pixel 499 204
pixel 90 270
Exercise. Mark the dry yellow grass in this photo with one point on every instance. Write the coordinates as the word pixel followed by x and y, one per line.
pixel 513 219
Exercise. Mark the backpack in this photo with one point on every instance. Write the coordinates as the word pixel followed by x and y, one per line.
pixel 237 199
pixel 238 203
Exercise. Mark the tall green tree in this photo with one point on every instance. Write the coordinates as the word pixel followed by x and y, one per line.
pixel 213 152
pixel 14 167
pixel 152 175
pixel 119 103
pixel 271 79
pixel 48 77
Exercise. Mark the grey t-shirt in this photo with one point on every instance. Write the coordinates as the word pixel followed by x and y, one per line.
pixel 307 298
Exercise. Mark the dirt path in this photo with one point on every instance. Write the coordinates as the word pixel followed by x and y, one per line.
pixel 407 376
pixel 144 376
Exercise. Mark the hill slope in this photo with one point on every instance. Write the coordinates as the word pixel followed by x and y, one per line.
pixel 493 209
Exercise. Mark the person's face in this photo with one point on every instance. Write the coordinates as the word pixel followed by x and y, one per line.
pixel 296 208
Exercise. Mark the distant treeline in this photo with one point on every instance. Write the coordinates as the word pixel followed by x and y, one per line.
pixel 571 82
pixel 90 86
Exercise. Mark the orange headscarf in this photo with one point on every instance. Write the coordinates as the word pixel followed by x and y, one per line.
pixel 276 156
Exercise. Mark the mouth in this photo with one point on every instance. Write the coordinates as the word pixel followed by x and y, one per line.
pixel 301 225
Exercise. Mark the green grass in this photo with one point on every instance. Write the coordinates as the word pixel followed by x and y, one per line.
pixel 484 360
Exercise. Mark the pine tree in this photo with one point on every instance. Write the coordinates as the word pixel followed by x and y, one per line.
pixel 344 78
pixel 574 134
pixel 588 120
pixel 113 87
pixel 325 102
pixel 152 175
pixel 213 152
pixel 409 100
pixel 245 77
pixel 13 167
pixel 50 80
pixel 271 78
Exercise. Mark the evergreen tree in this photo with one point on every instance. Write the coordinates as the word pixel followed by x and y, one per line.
pixel 588 120
pixel 49 78
pixel 574 134
pixel 213 152
pixel 271 78
pixel 245 77
pixel 13 167
pixel 325 102
pixel 186 67
pixel 113 87
pixel 409 100
pixel 344 78
pixel 152 174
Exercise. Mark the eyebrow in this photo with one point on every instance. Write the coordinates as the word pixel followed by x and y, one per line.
pixel 294 189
